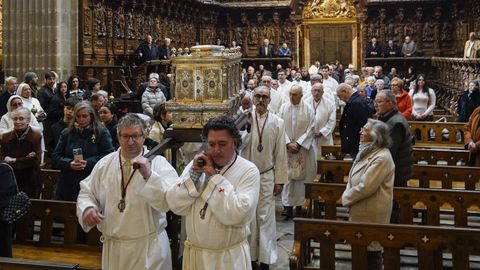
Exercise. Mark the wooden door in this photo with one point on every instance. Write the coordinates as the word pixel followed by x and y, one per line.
pixel 329 43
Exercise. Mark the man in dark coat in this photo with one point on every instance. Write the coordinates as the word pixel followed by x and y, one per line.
pixel 266 50
pixel 354 116
pixel 468 102
pixel 10 89
pixel 45 96
pixel 147 50
pixel 392 50
pixel 401 149
pixel 374 49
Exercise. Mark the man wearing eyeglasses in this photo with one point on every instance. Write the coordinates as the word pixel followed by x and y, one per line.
pixel 127 205
pixel 276 99
pixel 264 145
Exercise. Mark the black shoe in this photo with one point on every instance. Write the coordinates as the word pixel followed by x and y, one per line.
pixel 288 212
pixel 264 266
pixel 254 265
pixel 298 211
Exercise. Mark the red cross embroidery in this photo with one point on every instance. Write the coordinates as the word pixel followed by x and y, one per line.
pixel 221 189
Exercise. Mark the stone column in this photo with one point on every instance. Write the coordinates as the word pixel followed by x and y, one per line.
pixel 40 35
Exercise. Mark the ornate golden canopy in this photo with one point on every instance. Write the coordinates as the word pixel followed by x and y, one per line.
pixel 329 9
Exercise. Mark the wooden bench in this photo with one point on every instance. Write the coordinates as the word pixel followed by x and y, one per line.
pixel 49 179
pixel 22 264
pixel 434 200
pixel 431 156
pixel 49 247
pixel 428 240
pixel 336 171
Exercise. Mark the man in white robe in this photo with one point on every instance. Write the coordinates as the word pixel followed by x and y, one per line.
pixel 299 124
pixel 264 145
pixel 131 219
pixel 284 85
pixel 276 99
pixel 325 118
pixel 305 85
pixel 329 84
pixel 219 200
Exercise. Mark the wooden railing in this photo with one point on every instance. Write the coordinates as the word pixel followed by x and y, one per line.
pixel 451 80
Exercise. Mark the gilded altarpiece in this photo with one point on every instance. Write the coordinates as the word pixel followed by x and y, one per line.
pixel 330 32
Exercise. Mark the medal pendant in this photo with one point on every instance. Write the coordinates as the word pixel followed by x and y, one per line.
pixel 260 148
pixel 121 205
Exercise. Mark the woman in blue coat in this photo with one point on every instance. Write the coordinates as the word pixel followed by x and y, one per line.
pixel 87 133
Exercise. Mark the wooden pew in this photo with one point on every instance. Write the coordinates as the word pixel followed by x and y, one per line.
pixel 428 240
pixel 22 264
pixel 460 201
pixel 336 171
pixel 49 179
pixel 51 248
pixel 431 156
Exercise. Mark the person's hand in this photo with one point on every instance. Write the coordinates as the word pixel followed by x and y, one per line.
pixel 143 166
pixel 10 160
pixel 92 217
pixel 78 165
pixel 318 135
pixel 31 154
pixel 293 147
pixel 472 147
pixel 208 167
pixel 249 116
pixel 277 189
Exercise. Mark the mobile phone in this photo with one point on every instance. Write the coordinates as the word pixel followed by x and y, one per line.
pixel 77 154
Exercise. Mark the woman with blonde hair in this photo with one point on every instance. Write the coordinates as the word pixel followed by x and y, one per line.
pixel 404 102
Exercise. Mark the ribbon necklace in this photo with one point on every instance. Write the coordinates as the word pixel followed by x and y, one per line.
pixel 260 133
pixel 122 204
pixel 203 211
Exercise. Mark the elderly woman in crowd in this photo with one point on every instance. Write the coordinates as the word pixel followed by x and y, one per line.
pixel 362 92
pixel 21 149
pixel 423 100
pixel 30 102
pixel 7 190
pixel 468 102
pixel 88 134
pixel 369 191
pixel 371 88
pixel 6 123
pixel 152 96
pixel 404 102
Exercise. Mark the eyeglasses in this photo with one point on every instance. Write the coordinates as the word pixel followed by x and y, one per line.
pixel 135 137
pixel 394 84
pixel 266 82
pixel 258 96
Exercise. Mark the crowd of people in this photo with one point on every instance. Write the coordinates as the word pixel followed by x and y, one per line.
pixel 226 193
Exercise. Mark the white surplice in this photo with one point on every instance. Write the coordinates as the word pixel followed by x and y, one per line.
pixel 136 237
pixel 325 121
pixel 272 164
pixel 284 88
pixel 219 241
pixel 299 125
pixel 276 101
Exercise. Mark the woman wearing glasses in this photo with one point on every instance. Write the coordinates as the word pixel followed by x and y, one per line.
pixel 404 102
pixel 423 99
pixel 81 145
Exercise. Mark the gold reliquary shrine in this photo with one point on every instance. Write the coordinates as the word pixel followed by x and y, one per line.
pixel 206 83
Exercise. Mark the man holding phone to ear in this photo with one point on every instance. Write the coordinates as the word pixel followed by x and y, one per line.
pixel 264 145
pixel 218 193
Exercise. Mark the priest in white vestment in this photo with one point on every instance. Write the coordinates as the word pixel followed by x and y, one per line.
pixel 264 145
pixel 276 99
pixel 131 217
pixel 325 118
pixel 299 127
pixel 284 85
pixel 329 84
pixel 218 199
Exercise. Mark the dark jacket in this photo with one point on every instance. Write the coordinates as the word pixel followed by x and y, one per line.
pixel 165 52
pixel 7 190
pixel 354 116
pixel 93 149
pixel 26 168
pixel 393 51
pixel 467 104
pixel 371 50
pixel 4 96
pixel 401 148
pixel 148 53
pixel 45 96
pixel 112 129
pixel 261 51
pixel 57 129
